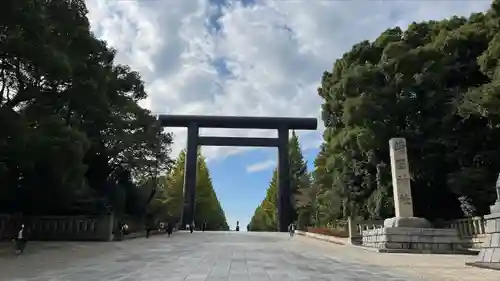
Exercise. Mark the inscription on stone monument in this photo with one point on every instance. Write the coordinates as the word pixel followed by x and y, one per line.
pixel 405 199
pixel 401 164
pixel 403 202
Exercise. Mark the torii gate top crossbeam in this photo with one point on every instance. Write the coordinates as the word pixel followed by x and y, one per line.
pixel 238 122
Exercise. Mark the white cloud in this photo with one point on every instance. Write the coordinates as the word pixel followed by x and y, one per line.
pixel 261 166
pixel 275 52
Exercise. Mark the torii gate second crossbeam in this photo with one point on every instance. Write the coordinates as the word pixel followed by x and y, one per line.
pixel 282 124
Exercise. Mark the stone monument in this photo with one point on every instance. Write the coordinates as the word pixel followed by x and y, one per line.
pixel 405 232
pixel 401 188
pixel 489 256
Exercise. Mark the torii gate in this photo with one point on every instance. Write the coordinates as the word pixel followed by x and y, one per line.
pixel 282 124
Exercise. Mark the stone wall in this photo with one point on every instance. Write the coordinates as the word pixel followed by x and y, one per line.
pixel 403 238
pixel 76 228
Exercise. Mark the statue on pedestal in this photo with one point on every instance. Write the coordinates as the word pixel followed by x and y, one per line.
pixel 495 208
pixel 497 187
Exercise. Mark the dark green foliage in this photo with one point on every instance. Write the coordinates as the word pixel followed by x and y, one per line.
pixel 74 139
pixel 437 84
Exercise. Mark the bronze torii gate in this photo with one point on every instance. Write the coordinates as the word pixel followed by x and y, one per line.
pixel 282 124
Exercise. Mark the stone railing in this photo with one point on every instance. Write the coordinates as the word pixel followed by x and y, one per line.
pixel 350 228
pixel 356 228
pixel 471 230
pixel 77 228
pixel 339 225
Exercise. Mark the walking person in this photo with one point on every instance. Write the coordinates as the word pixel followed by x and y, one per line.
pixel 148 229
pixel 150 225
pixel 170 228
pixel 20 240
pixel 291 229
pixel 123 230
pixel 191 227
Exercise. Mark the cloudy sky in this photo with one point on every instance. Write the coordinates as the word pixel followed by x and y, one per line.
pixel 247 58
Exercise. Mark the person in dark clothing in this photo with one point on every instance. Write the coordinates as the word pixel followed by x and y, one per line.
pixel 204 226
pixel 170 228
pixel 291 229
pixel 149 225
pixel 191 227
pixel 148 229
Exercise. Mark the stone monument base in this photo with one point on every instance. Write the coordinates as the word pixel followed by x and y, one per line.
pixel 489 256
pixel 414 240
pixel 412 222
pixel 495 209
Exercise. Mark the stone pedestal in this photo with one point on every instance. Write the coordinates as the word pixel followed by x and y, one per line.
pixel 412 222
pixel 413 240
pixel 413 235
pixel 489 256
pixel 495 209
pixel 406 233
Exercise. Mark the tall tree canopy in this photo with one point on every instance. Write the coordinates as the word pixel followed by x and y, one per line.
pixel 207 207
pixel 435 84
pixel 74 139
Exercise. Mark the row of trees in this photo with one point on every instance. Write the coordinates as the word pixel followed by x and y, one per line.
pixel 437 84
pixel 170 193
pixel 74 139
pixel 265 216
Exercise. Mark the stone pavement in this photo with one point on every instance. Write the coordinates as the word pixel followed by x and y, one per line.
pixel 424 266
pixel 208 256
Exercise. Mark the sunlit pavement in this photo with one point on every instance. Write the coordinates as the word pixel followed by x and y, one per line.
pixel 198 256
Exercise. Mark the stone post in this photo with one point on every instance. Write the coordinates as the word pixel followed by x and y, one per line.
pixel 353 233
pixel 401 187
pixel 489 256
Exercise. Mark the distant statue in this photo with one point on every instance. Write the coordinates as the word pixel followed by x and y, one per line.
pixel 497 186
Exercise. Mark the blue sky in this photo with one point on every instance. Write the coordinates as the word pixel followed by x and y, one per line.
pixel 247 58
pixel 240 191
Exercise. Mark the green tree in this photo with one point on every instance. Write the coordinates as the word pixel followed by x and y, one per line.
pixel 265 215
pixel 207 207
pixel 433 84
pixel 76 140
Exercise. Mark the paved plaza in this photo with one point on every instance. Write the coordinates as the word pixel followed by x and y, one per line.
pixel 227 256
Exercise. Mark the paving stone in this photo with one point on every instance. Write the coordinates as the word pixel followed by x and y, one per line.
pixel 209 256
